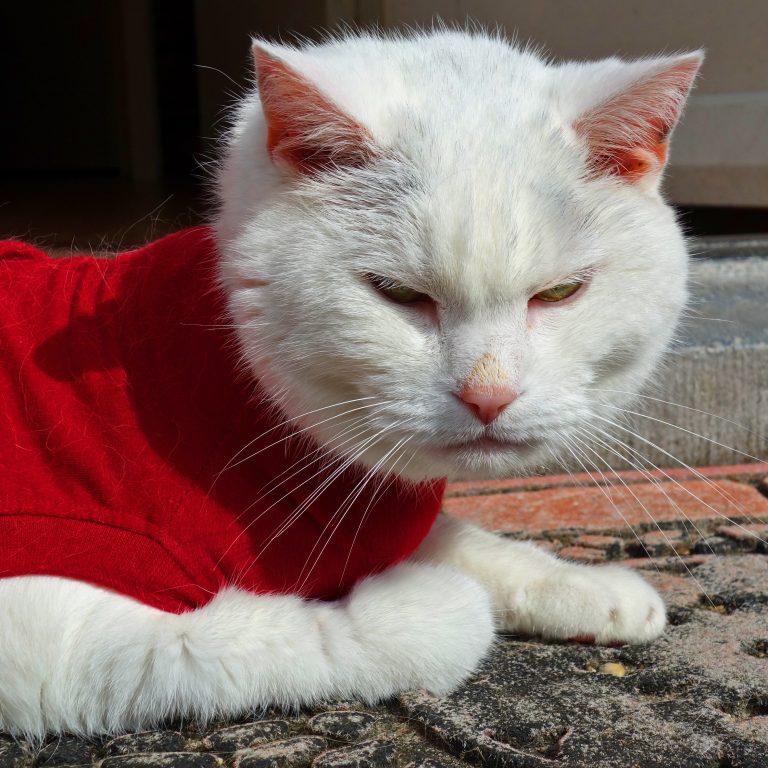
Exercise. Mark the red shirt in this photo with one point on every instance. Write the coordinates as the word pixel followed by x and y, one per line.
pixel 121 402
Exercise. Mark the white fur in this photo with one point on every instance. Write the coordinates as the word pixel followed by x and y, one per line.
pixel 535 593
pixel 480 197
pixel 79 658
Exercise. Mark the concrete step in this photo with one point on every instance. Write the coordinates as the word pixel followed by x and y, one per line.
pixel 717 373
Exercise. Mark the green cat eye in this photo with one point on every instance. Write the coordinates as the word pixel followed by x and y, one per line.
pixel 558 292
pixel 402 294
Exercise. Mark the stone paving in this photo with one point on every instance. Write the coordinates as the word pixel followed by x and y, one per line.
pixel 696 698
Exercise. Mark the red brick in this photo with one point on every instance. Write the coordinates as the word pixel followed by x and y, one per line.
pixel 658 563
pixel 736 471
pixel 591 509
pixel 583 554
pixel 744 532
pixel 659 543
pixel 598 541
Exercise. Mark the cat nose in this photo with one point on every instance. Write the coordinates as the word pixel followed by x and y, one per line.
pixel 487 404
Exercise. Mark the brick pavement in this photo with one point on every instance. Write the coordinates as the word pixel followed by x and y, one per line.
pixel 696 698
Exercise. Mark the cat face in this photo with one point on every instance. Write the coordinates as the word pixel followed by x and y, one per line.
pixel 445 257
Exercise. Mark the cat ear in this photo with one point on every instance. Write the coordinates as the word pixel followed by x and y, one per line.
pixel 628 133
pixel 307 131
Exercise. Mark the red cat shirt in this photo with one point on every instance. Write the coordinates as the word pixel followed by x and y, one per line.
pixel 126 428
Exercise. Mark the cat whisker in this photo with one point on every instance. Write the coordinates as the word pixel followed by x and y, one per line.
pixel 230 464
pixel 345 461
pixel 647 511
pixel 341 463
pixel 216 326
pixel 344 508
pixel 681 429
pixel 694 315
pixel 317 454
pixel 305 460
pixel 604 490
pixel 385 482
pixel 640 467
pixel 625 428
pixel 674 404
pixel 296 513
pixel 323 448
pixel 717 489
pixel 560 463
pixel 357 489
pixel 317 492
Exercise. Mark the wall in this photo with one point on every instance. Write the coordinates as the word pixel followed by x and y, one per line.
pixel 720 155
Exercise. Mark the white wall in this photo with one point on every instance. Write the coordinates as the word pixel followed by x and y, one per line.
pixel 720 153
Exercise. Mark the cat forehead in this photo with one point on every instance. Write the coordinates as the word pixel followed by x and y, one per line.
pixel 452 103
pixel 478 243
pixel 494 171
pixel 392 84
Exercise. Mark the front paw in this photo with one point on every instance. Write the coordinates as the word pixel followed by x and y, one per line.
pixel 603 604
pixel 421 626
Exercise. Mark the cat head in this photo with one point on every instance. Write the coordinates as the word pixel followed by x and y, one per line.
pixel 445 256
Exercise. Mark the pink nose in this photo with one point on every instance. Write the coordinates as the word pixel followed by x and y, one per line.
pixel 487 404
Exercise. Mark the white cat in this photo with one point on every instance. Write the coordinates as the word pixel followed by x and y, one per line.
pixel 466 237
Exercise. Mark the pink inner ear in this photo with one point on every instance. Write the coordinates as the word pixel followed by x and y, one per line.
pixel 306 129
pixel 627 135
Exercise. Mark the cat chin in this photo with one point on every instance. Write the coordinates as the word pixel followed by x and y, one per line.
pixel 498 465
pixel 475 462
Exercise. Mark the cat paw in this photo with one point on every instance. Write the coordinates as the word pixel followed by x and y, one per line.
pixel 602 604
pixel 421 626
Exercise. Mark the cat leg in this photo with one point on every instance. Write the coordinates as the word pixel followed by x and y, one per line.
pixel 79 658
pixel 536 593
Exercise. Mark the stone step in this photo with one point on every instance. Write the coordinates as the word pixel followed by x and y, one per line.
pixel 718 370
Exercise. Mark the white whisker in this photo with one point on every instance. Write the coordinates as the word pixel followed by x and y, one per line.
pixel 345 507
pixel 682 429
pixel 232 463
pixel 317 492
pixel 357 427
pixel 343 462
pixel 603 488
pixel 391 477
pixel 640 467
pixel 688 491
pixel 675 405
pixel 650 515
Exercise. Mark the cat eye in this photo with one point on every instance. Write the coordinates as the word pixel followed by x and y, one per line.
pixel 401 294
pixel 558 292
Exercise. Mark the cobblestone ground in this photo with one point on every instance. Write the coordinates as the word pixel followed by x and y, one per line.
pixel 698 697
